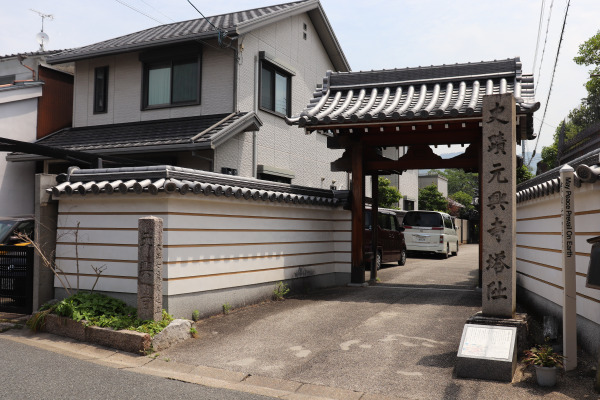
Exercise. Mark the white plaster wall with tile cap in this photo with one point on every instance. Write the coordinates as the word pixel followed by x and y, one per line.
pixel 210 244
pixel 539 265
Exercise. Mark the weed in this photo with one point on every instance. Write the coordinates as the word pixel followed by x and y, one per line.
pixel 195 315
pixel 193 332
pixel 227 308
pixel 377 279
pixel 99 310
pixel 281 289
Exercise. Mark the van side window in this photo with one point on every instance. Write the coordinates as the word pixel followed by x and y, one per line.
pixel 447 222
pixel 392 220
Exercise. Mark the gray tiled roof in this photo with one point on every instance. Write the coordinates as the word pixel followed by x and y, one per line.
pixel 549 182
pixel 234 23
pixel 416 93
pixel 32 54
pixel 176 180
pixel 161 134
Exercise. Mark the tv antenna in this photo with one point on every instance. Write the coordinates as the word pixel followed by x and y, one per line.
pixel 42 38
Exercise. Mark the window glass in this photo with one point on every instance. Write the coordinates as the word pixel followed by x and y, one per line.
pixel 393 226
pixel 100 89
pixel 274 89
pixel 281 84
pixel 185 81
pixel 159 85
pixel 416 218
pixel 447 222
pixel 266 89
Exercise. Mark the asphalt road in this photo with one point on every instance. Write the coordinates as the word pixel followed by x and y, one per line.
pixel 32 373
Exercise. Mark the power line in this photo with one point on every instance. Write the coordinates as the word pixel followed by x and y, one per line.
pixel 552 79
pixel 157 10
pixel 537 42
pixel 545 41
pixel 139 11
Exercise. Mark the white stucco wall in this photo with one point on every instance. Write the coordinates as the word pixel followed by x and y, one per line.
pixel 279 145
pixel 539 247
pixel 125 89
pixel 209 243
pixel 18 120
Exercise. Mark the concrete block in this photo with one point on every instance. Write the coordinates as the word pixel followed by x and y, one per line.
pixel 130 341
pixel 177 331
pixel 64 327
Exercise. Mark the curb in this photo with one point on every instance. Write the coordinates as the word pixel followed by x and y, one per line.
pixel 201 375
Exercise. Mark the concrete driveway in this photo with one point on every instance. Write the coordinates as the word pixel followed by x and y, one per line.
pixel 397 338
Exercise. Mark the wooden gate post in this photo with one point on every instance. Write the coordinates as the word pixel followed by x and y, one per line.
pixel 357 275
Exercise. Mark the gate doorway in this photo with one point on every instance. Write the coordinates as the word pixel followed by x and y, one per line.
pixel 487 106
pixel 16 279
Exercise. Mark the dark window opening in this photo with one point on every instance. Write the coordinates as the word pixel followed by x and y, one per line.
pixel 171 78
pixel 275 89
pixel 7 79
pixel 100 90
pixel 274 178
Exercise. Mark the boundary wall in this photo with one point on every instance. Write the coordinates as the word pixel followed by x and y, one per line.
pixel 218 249
pixel 539 253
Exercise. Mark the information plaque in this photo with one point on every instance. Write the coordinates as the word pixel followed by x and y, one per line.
pixel 487 352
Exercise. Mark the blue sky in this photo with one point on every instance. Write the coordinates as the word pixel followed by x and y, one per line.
pixel 374 35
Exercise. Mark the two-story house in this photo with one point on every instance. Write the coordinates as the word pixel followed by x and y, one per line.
pixel 209 93
pixel 35 100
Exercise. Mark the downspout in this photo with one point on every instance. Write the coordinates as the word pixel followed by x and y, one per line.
pixel 254 141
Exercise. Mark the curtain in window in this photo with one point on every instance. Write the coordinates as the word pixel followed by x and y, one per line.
pixel 266 84
pixel 159 86
pixel 185 82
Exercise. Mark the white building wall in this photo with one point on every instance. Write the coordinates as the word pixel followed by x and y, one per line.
pixel 18 121
pixel 280 145
pixel 539 247
pixel 210 243
pixel 125 89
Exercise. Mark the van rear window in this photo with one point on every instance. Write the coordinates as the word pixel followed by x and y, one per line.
pixel 422 219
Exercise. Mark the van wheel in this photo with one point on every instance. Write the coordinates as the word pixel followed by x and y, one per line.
pixel 455 253
pixel 378 261
pixel 402 259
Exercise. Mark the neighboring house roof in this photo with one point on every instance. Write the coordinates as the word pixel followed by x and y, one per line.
pixel 207 131
pixel 32 54
pixel 549 182
pixel 168 179
pixel 416 93
pixel 235 24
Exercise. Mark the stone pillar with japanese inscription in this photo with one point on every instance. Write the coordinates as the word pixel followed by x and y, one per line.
pixel 150 260
pixel 498 206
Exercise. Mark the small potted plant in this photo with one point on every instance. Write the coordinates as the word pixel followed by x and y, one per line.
pixel 546 363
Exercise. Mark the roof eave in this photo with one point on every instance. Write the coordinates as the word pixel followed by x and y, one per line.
pixel 58 59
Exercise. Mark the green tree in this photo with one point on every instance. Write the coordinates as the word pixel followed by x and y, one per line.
pixel 431 199
pixel 388 195
pixel 523 174
pixel 463 198
pixel 460 181
pixel 588 112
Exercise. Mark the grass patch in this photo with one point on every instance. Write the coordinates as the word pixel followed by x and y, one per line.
pixel 99 310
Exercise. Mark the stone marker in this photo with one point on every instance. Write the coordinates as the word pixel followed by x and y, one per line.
pixel 498 206
pixel 150 259
pixel 487 352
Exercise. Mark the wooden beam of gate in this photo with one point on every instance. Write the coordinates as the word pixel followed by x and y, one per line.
pixel 408 139
pixel 466 163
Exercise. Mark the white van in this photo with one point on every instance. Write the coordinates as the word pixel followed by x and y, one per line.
pixel 430 232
